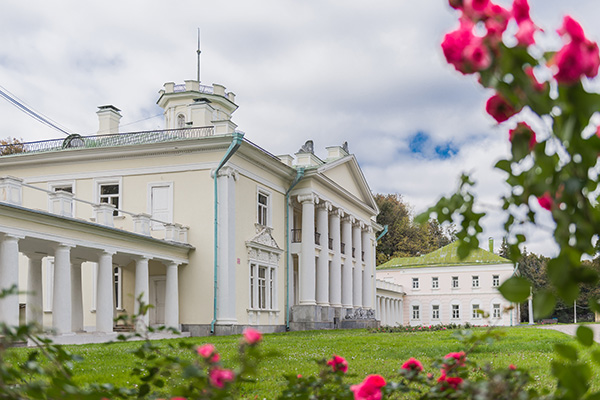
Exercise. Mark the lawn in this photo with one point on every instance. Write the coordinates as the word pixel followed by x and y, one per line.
pixel 367 353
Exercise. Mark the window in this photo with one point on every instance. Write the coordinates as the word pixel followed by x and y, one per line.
pixel 160 203
pixel 476 309
pixel 435 283
pixel 181 121
pixel 496 310
pixel 475 281
pixel 455 311
pixel 110 193
pixel 415 283
pixel 435 311
pixel 495 280
pixel 416 312
pixel 118 288
pixel 262 287
pixel 263 209
pixel 455 281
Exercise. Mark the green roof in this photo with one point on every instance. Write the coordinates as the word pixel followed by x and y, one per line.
pixel 445 256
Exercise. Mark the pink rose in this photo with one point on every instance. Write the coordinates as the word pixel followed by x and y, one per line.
pixel 459 357
pixel 252 336
pixel 578 57
pixel 499 108
pixel 525 33
pixel 512 367
pixel 477 55
pixel 412 364
pixel 208 351
pixel 520 10
pixel 546 201
pixel 369 389
pixel 523 129
pixel 338 364
pixel 218 377
pixel 449 381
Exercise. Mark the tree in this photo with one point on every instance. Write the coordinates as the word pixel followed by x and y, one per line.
pixel 405 238
pixel 11 146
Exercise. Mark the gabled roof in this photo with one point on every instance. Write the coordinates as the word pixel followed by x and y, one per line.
pixel 349 165
pixel 445 256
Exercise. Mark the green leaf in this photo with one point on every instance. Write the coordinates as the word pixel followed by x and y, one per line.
pixel 515 289
pixel 596 356
pixel 585 336
pixel 543 304
pixel 566 350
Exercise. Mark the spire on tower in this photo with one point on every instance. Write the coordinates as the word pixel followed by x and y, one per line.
pixel 198 52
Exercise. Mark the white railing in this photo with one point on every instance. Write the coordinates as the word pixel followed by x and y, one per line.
pixel 63 203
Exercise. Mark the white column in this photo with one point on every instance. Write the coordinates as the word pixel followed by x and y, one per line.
pixel 172 297
pixel 104 293
pixel 347 267
pixel 307 258
pixel 401 313
pixel 61 295
pixel 323 260
pixel 395 319
pixel 76 297
pixel 368 275
pixel 226 265
pixel 386 310
pixel 9 277
pixel 142 288
pixel 35 299
pixel 335 278
pixel 358 270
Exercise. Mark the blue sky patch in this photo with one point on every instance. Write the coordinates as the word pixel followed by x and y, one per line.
pixel 423 145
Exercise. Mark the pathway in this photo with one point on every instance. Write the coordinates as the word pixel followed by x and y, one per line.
pixel 572 328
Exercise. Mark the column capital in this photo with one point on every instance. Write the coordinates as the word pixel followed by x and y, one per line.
pixel 359 224
pixel 34 255
pixel 308 198
pixel 325 205
pixel 337 212
pixel 348 218
pixel 227 172
pixel 11 236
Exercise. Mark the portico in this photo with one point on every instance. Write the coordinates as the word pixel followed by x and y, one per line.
pixel 72 245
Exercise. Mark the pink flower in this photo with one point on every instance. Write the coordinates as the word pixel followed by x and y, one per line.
pixel 449 381
pixel 369 389
pixel 338 364
pixel 546 201
pixel 299 376
pixel 207 351
pixel 477 55
pixel 523 129
pixel 412 364
pixel 499 108
pixel 218 377
pixel 577 57
pixel 598 131
pixel 459 357
pixel 512 367
pixel 525 33
pixel 520 11
pixel 252 336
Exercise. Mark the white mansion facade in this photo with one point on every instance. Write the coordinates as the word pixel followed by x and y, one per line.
pixel 214 232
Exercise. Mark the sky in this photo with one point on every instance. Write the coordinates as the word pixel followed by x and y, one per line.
pixel 367 72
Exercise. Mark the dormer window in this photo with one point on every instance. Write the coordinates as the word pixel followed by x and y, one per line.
pixel 180 121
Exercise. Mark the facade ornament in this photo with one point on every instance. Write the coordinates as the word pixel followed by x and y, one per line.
pixel 348 218
pixel 311 197
pixel 326 205
pixel 308 147
pixel 345 147
pixel 228 172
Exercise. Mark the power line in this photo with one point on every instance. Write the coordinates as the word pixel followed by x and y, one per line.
pixel 15 101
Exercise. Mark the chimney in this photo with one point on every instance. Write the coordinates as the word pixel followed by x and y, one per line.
pixel 491 244
pixel 108 118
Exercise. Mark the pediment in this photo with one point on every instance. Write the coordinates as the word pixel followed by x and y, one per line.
pixel 263 246
pixel 346 173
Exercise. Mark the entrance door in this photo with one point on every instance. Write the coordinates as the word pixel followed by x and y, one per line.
pixel 157 299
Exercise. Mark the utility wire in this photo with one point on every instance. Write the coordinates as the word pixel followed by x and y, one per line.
pixel 15 101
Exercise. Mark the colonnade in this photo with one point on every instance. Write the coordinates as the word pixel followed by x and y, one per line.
pixel 343 273
pixel 389 310
pixel 67 298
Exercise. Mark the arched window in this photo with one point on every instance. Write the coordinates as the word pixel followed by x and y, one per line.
pixel 180 121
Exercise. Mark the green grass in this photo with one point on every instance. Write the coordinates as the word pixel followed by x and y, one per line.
pixel 367 353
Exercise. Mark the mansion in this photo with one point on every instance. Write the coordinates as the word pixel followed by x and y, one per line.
pixel 214 232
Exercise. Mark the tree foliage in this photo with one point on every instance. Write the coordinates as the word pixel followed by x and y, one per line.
pixel 11 146
pixel 405 237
